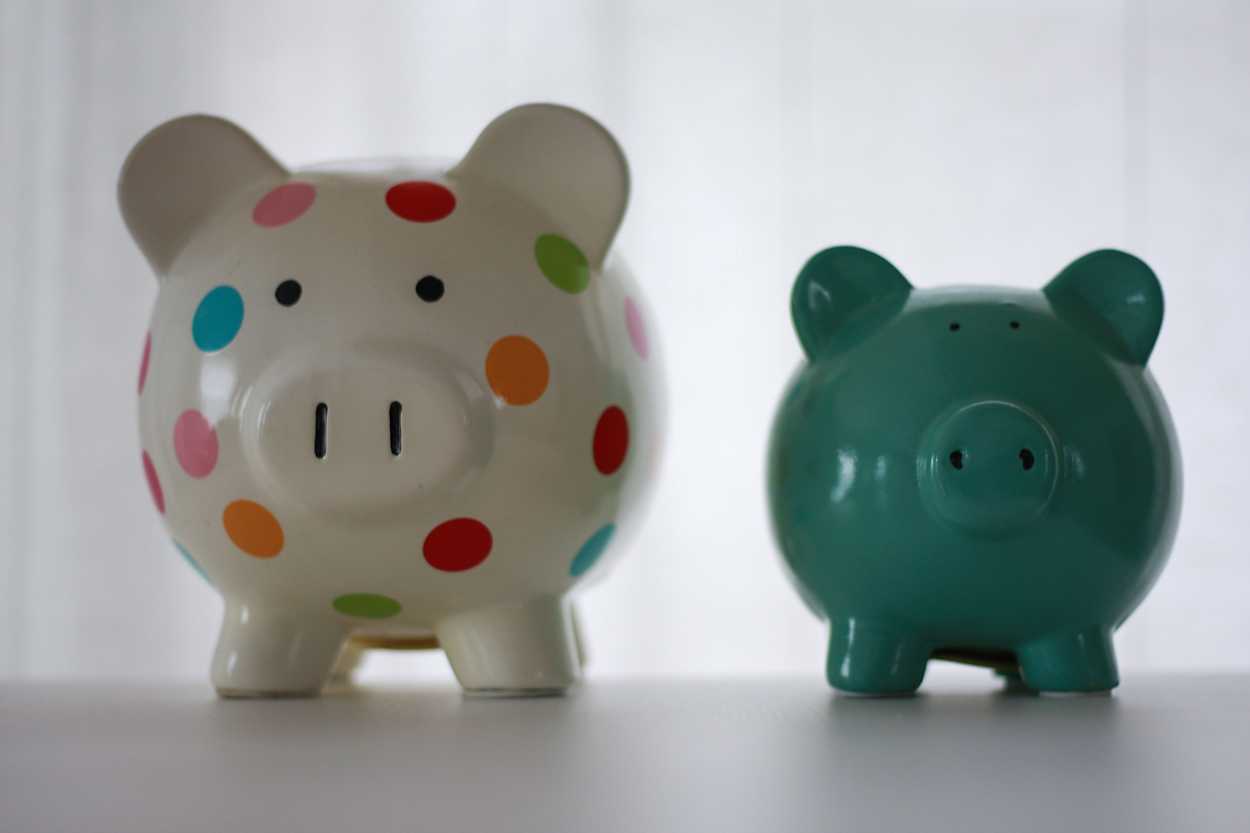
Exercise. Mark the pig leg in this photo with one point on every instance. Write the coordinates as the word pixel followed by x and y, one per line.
pixel 350 658
pixel 1072 662
pixel 868 658
pixel 268 651
pixel 1013 683
pixel 579 637
pixel 520 649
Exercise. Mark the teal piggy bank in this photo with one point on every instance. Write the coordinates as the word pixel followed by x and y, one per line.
pixel 974 473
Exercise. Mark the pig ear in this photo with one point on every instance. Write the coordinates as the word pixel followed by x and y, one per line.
pixel 179 173
pixel 564 162
pixel 842 289
pixel 1114 297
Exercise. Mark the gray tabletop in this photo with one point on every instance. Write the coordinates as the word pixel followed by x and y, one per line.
pixel 1165 753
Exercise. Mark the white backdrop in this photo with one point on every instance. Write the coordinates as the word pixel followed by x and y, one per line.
pixel 967 141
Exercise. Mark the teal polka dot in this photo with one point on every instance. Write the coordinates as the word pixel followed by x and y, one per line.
pixel 195 565
pixel 562 262
pixel 591 550
pixel 217 319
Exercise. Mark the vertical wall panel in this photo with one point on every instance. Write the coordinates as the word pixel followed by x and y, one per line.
pixel 17 22
pixel 1195 231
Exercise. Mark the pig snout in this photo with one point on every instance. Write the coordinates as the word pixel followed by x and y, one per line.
pixel 365 432
pixel 989 465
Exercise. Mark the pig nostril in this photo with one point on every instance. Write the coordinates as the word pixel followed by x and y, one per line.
pixel 957 459
pixel 319 430
pixel 396 423
pixel 1026 458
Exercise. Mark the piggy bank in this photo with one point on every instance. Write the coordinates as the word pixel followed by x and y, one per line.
pixel 982 474
pixel 397 402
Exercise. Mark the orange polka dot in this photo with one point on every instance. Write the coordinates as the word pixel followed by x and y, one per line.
pixel 517 370
pixel 253 528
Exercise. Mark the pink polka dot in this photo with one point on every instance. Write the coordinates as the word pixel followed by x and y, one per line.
pixel 195 444
pixel 283 204
pixel 154 483
pixel 637 333
pixel 143 363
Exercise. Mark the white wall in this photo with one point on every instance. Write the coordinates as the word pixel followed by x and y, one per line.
pixel 967 141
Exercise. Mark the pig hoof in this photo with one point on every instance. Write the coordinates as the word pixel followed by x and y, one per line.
pixel 865 659
pixel 269 652
pixel 528 649
pixel 1081 662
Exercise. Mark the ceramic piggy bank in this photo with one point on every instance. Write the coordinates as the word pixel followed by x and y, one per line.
pixel 974 473
pixel 394 401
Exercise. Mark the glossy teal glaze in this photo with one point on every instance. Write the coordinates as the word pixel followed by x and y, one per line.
pixel 979 472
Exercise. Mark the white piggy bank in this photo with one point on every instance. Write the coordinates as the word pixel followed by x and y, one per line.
pixel 392 401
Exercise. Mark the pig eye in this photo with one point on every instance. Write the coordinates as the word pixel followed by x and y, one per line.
pixel 288 293
pixel 429 289
pixel 1026 458
pixel 1015 325
pixel 954 327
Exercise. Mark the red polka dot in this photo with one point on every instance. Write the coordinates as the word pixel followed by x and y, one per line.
pixel 284 204
pixel 420 202
pixel 143 363
pixel 154 483
pixel 611 440
pixel 458 544
pixel 195 444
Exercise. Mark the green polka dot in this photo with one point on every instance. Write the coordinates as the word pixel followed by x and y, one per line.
pixel 367 605
pixel 562 262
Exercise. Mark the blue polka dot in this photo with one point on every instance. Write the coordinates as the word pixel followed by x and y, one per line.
pixel 591 550
pixel 194 564
pixel 217 319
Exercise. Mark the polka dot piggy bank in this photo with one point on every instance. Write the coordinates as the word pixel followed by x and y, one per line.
pixel 393 404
